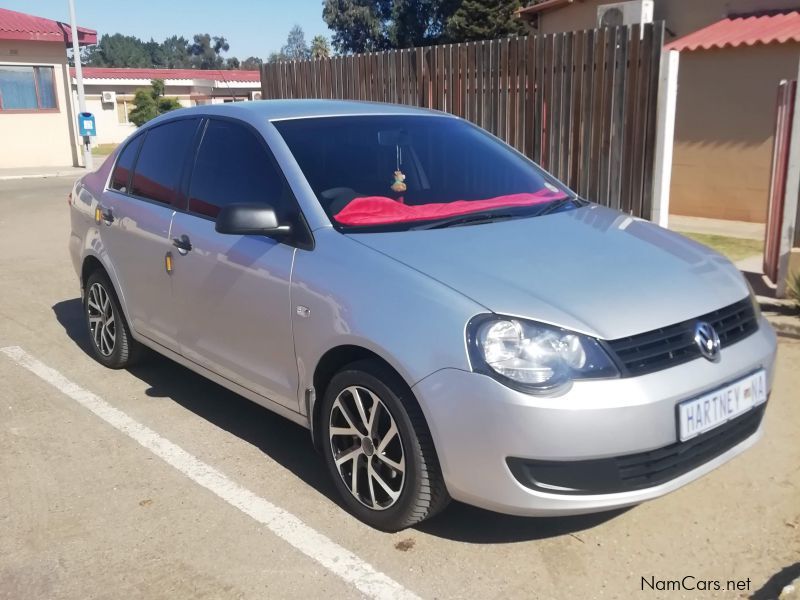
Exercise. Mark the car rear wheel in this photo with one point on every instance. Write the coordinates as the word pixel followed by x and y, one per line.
pixel 109 334
pixel 378 448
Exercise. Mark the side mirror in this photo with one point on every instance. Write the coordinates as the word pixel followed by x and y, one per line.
pixel 249 219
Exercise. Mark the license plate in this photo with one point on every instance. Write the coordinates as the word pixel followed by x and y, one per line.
pixel 711 410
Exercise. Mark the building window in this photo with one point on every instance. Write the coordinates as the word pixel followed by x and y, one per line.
pixel 122 111
pixel 27 88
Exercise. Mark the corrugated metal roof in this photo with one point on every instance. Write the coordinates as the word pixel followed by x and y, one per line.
pixel 20 26
pixel 744 30
pixel 206 74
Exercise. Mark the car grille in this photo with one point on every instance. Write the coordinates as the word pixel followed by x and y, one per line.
pixel 673 345
pixel 635 471
pixel 647 469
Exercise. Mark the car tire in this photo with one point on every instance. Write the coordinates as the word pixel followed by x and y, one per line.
pixel 109 334
pixel 380 494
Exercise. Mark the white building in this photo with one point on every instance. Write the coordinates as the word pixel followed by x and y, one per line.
pixel 37 119
pixel 110 92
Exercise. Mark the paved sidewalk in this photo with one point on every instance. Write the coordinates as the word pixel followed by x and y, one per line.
pixel 38 172
pixel 737 229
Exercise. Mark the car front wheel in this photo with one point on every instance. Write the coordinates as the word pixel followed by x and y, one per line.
pixel 379 450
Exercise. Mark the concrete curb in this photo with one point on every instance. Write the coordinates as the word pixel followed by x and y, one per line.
pixel 42 175
pixel 783 315
pixel 784 329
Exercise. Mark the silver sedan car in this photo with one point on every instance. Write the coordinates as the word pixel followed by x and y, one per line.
pixel 446 318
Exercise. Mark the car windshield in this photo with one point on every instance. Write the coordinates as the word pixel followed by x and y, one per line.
pixel 393 173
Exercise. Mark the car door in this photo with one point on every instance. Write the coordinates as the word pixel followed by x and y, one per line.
pixel 136 212
pixel 233 291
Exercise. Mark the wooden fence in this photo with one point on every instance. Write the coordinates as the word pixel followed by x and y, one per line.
pixel 581 104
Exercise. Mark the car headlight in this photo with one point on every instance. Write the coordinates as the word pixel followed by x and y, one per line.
pixel 534 357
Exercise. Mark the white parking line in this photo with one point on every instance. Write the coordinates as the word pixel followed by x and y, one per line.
pixel 285 525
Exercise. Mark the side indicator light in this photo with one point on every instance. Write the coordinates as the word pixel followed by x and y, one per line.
pixel 98 216
pixel 168 262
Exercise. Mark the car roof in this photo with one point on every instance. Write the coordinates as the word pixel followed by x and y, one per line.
pixel 272 110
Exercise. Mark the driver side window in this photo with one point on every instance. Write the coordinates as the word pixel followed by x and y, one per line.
pixel 233 166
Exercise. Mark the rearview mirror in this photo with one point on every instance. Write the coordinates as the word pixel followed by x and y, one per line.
pixel 394 137
pixel 249 219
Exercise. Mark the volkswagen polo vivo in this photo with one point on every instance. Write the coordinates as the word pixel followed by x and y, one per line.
pixel 446 318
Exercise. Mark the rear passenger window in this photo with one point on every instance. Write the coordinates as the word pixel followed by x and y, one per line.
pixel 233 166
pixel 120 179
pixel 164 152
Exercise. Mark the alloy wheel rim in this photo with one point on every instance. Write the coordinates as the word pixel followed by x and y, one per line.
pixel 367 449
pixel 102 321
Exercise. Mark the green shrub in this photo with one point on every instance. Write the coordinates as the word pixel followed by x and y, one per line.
pixel 793 287
pixel 151 103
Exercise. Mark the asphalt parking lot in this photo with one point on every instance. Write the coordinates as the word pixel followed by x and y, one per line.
pixel 89 510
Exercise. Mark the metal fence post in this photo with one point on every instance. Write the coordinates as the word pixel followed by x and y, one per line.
pixel 790 200
pixel 665 135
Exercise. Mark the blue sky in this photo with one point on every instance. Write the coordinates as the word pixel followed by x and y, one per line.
pixel 252 27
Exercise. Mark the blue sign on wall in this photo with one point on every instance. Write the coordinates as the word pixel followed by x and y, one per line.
pixel 86 124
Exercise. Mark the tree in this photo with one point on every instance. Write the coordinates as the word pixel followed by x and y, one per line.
pixel 252 63
pixel 369 25
pixel 151 103
pixel 484 20
pixel 205 51
pixel 358 25
pixel 419 22
pixel 118 51
pixel 296 47
pixel 276 57
pixel 320 47
pixel 232 63
pixel 158 86
pixel 155 53
pixel 175 50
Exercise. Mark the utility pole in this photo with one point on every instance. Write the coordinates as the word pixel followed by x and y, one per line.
pixel 76 51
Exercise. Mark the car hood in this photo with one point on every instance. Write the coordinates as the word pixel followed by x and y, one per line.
pixel 593 270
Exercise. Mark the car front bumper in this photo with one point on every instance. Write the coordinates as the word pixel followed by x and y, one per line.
pixel 478 424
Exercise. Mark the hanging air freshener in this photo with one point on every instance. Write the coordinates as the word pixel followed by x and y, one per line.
pixel 399 184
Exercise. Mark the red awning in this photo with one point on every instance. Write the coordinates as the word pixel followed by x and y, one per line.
pixel 20 26
pixel 737 31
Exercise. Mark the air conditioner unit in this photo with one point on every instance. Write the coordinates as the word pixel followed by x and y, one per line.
pixel 108 97
pixel 255 95
pixel 633 12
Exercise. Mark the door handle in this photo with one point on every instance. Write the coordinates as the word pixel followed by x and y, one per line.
pixel 183 244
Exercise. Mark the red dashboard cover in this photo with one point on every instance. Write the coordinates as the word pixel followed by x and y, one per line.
pixel 380 210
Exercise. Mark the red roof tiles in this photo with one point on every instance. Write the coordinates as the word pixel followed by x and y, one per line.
pixel 20 26
pixel 209 74
pixel 738 31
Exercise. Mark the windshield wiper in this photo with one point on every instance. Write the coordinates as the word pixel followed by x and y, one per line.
pixel 554 206
pixel 470 219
